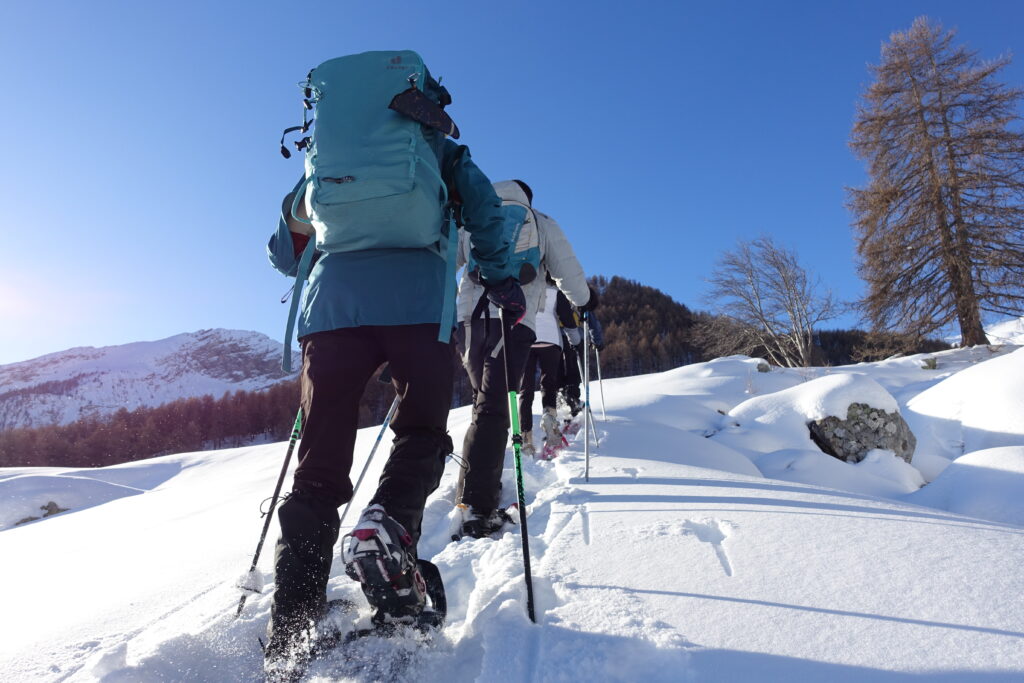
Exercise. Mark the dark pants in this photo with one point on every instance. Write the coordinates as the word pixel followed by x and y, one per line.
pixel 335 368
pixel 484 447
pixel 571 372
pixel 549 358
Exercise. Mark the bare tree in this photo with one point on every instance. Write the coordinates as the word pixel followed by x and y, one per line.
pixel 767 303
pixel 940 225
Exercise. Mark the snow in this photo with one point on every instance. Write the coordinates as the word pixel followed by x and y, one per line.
pixel 988 484
pixel 980 407
pixel 1007 332
pixel 777 421
pixel 712 542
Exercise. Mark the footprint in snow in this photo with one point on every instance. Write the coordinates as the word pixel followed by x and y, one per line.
pixel 715 532
pixel 706 530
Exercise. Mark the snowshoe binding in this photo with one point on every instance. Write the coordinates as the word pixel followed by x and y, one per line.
pixel 379 554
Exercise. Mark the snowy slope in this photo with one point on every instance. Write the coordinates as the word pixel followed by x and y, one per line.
pixel 677 560
pixel 1007 332
pixel 63 387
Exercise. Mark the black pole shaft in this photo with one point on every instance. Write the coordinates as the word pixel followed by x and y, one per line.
pixel 366 465
pixel 296 431
pixel 517 444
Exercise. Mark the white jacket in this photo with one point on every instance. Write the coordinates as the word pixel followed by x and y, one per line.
pixel 556 259
pixel 548 329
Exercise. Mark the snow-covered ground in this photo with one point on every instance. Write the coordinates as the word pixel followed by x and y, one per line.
pixel 712 542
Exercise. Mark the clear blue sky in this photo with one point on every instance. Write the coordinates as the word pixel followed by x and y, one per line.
pixel 141 177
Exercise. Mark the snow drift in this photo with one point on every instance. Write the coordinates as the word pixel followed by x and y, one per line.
pixel 703 547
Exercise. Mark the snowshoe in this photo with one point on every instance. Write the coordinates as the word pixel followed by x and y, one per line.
pixel 379 554
pixel 469 522
pixel 570 426
pixel 287 666
pixel 552 433
pixel 424 622
pixel 549 451
pixel 387 650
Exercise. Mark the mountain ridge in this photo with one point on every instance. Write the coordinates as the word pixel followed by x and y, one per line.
pixel 65 386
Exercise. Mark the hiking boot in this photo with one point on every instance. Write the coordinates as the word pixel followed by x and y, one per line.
pixel 480 524
pixel 528 447
pixel 380 555
pixel 572 402
pixel 575 406
pixel 302 567
pixel 549 423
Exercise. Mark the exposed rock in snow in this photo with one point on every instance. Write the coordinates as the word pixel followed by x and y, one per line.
pixel 864 429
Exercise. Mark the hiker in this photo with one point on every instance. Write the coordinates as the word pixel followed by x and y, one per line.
pixel 549 253
pixel 363 308
pixel 555 319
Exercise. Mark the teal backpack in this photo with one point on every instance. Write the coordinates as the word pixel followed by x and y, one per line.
pixel 520 233
pixel 372 170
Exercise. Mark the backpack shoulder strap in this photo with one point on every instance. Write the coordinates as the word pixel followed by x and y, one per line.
pixel 301 273
pixel 447 322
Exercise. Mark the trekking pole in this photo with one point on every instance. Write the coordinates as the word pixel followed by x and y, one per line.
pixel 366 465
pixel 586 389
pixel 586 406
pixel 517 444
pixel 600 383
pixel 249 584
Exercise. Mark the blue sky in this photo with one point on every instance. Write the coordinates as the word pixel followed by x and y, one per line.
pixel 141 176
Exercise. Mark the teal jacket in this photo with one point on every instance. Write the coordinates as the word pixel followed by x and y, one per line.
pixel 397 286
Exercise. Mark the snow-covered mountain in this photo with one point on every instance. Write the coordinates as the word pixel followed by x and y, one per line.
pixel 62 387
pixel 712 542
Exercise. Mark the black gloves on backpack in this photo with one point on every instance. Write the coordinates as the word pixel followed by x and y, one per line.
pixel 508 296
pixel 592 302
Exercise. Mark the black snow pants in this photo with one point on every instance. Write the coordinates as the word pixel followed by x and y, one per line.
pixel 571 372
pixel 549 358
pixel 336 366
pixel 484 447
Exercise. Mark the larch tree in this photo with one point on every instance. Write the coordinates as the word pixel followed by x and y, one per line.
pixel 940 225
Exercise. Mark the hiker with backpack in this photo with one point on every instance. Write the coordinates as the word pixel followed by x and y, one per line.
pixel 539 248
pixel 555 319
pixel 381 243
